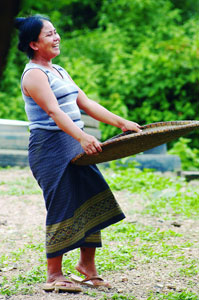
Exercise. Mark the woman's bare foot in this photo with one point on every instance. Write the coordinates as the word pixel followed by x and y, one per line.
pixel 90 271
pixel 59 277
pixel 55 279
pixel 86 266
pixel 86 270
pixel 96 280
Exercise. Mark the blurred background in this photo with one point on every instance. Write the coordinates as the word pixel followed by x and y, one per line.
pixel 138 58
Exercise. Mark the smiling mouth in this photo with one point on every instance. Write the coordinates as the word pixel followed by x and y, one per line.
pixel 56 46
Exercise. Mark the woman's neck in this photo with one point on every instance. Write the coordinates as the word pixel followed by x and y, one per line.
pixel 42 62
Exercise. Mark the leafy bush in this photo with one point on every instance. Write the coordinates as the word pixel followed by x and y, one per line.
pixel 138 58
pixel 147 69
pixel 189 156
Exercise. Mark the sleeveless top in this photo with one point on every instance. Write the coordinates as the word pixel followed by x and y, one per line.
pixel 64 90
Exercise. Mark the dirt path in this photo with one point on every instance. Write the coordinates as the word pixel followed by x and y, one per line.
pixel 22 219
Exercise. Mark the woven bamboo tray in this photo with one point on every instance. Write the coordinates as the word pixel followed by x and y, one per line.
pixel 130 143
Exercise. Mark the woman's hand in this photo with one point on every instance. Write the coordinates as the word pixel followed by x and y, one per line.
pixel 90 144
pixel 128 125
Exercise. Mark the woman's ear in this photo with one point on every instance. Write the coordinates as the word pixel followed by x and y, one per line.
pixel 33 45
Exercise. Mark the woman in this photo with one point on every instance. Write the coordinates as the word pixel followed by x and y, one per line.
pixel 79 202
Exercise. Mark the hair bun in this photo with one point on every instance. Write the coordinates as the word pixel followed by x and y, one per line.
pixel 29 30
pixel 19 22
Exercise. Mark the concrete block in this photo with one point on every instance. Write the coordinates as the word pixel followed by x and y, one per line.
pixel 162 149
pixel 189 175
pixel 93 131
pixel 14 140
pixel 90 122
pixel 13 158
pixel 159 162
pixel 13 126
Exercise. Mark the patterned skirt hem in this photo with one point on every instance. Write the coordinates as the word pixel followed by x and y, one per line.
pixel 81 243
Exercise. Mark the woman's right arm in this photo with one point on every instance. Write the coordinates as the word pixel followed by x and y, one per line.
pixel 35 84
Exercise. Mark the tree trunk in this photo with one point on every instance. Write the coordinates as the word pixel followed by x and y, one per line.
pixel 8 11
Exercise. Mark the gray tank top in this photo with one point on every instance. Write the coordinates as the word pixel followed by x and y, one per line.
pixel 66 93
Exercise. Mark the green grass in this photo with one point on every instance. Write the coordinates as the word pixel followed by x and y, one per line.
pixel 117 254
pixel 189 270
pixel 175 296
pixel 118 297
pixel 20 187
pixel 23 283
pixel 127 239
pixel 161 196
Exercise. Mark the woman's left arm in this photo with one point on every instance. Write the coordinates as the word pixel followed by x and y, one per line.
pixel 100 113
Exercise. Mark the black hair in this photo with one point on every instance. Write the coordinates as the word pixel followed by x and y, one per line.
pixel 29 30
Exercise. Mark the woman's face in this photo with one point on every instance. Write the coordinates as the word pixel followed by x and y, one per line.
pixel 48 42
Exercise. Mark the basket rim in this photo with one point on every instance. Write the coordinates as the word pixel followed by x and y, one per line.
pixel 129 134
pixel 170 127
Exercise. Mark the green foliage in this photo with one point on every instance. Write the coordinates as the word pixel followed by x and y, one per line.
pixel 118 297
pixel 189 157
pixel 189 8
pixel 156 70
pixel 161 194
pixel 138 58
pixel 175 296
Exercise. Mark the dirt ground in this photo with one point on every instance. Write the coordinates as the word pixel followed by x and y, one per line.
pixel 22 216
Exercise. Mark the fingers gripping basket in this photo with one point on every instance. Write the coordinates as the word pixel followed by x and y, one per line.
pixel 130 143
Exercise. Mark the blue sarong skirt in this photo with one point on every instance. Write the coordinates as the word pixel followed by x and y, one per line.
pixel 78 200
